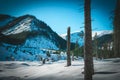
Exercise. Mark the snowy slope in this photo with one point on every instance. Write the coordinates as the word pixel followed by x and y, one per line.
pixel 25 38
pixel 76 37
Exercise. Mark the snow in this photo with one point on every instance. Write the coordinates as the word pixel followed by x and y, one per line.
pixel 101 33
pixel 104 70
pixel 33 49
pixel 40 42
pixel 24 25
pixel 75 36
pixel 65 34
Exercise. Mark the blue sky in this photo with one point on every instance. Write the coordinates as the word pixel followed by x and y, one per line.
pixel 59 14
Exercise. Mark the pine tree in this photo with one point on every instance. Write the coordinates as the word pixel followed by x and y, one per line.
pixel 68 47
pixel 88 60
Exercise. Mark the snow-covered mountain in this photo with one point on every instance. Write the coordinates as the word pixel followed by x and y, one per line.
pixel 78 36
pixel 26 37
pixel 101 33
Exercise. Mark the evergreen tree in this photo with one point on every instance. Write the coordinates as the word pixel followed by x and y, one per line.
pixel 88 60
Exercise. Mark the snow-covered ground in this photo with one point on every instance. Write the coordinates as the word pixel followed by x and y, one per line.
pixel 108 69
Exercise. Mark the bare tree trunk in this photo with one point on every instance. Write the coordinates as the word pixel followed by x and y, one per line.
pixel 68 47
pixel 116 24
pixel 88 60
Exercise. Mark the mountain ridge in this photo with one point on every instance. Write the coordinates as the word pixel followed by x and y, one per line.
pixel 78 36
pixel 42 28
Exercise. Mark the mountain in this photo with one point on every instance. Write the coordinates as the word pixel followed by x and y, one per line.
pixel 75 37
pixel 102 37
pixel 106 38
pixel 26 37
pixel 101 33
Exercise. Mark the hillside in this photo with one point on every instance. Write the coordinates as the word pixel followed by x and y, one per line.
pixel 26 36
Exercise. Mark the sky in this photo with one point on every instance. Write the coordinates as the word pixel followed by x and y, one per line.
pixel 59 14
